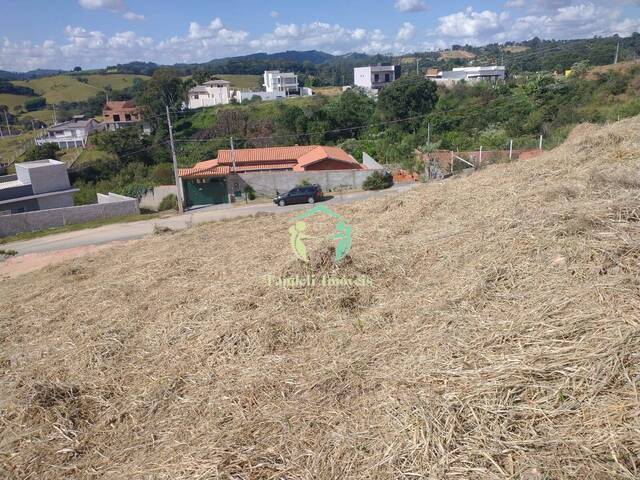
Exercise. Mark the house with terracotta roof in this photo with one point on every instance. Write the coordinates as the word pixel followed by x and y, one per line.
pixel 120 114
pixel 214 181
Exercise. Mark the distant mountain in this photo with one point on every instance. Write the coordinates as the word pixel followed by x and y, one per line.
pixel 5 75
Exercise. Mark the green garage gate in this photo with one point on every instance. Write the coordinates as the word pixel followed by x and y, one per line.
pixel 205 191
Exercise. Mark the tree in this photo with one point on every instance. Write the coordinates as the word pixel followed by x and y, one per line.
pixel 409 96
pixel 37 103
pixel 164 89
pixel 41 152
pixel 77 69
pixel 354 108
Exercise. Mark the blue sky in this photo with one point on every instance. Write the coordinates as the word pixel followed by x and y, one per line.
pixel 94 33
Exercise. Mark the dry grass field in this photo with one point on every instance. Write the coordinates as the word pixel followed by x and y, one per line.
pixel 500 339
pixel 450 54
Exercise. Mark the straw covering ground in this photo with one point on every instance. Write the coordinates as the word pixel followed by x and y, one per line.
pixel 500 339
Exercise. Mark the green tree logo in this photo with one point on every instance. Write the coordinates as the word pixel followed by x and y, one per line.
pixel 297 235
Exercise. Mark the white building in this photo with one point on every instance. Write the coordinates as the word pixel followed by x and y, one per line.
pixel 210 94
pixel 71 134
pixel 468 74
pixel 375 77
pixel 279 82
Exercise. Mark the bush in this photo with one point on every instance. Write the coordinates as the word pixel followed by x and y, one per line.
pixel 33 104
pixel 41 152
pixel 378 181
pixel 250 192
pixel 170 202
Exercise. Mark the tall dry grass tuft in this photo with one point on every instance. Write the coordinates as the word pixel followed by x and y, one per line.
pixel 500 339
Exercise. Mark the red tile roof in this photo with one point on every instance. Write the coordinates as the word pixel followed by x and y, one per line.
pixel 266 159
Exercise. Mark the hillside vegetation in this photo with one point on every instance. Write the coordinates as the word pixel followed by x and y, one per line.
pixel 499 339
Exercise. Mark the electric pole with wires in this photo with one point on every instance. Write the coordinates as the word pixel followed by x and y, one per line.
pixel 175 163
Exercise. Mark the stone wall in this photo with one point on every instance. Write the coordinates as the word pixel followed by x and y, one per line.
pixel 108 206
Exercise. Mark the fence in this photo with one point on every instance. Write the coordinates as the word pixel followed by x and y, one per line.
pixel 108 206
pixel 444 162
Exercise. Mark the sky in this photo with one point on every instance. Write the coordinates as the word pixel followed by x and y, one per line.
pixel 96 33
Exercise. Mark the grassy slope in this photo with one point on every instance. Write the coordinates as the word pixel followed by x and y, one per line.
pixel 67 87
pixel 12 100
pixel 499 339
pixel 9 145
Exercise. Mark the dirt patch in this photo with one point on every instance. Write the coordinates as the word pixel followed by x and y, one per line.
pixel 14 266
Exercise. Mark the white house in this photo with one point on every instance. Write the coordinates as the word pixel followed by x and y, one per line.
pixel 71 134
pixel 468 74
pixel 279 82
pixel 210 94
pixel 375 77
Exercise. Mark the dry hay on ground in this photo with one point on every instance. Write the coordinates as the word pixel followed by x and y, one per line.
pixel 501 339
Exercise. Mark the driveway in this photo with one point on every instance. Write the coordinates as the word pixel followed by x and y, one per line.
pixel 119 232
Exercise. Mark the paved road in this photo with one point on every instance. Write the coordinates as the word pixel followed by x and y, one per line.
pixel 130 231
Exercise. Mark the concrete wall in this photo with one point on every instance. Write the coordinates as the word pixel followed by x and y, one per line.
pixel 151 200
pixel 267 183
pixel 56 201
pixel 111 206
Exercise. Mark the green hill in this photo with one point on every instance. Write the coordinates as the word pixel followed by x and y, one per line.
pixel 73 88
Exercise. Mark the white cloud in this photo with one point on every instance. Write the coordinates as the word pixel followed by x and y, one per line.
pixel 565 22
pixel 115 6
pixel 97 4
pixel 274 14
pixel 407 32
pixel 201 42
pixel 132 16
pixel 411 5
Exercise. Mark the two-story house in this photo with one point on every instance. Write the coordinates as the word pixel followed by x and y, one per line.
pixel 210 94
pixel 281 83
pixel 120 114
pixel 376 77
pixel 71 134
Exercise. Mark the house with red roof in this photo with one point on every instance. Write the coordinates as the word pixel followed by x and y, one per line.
pixel 212 181
pixel 120 114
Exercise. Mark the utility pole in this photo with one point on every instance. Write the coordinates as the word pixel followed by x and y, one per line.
pixel 511 149
pixel 540 147
pixel 55 120
pixel 33 125
pixel 418 66
pixel 480 159
pixel 617 51
pixel 233 155
pixel 428 133
pixel 175 163
pixel 6 119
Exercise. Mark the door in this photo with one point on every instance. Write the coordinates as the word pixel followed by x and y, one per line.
pixel 208 191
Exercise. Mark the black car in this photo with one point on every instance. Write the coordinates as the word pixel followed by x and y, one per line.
pixel 306 194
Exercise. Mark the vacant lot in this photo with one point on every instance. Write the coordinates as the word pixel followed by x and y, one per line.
pixel 500 338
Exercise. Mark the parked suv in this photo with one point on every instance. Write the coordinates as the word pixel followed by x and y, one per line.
pixel 306 194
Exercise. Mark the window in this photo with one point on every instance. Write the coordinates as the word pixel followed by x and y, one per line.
pixel 387 77
pixel 116 118
pixel 376 78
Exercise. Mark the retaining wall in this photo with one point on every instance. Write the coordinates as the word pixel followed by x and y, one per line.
pixel 108 206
